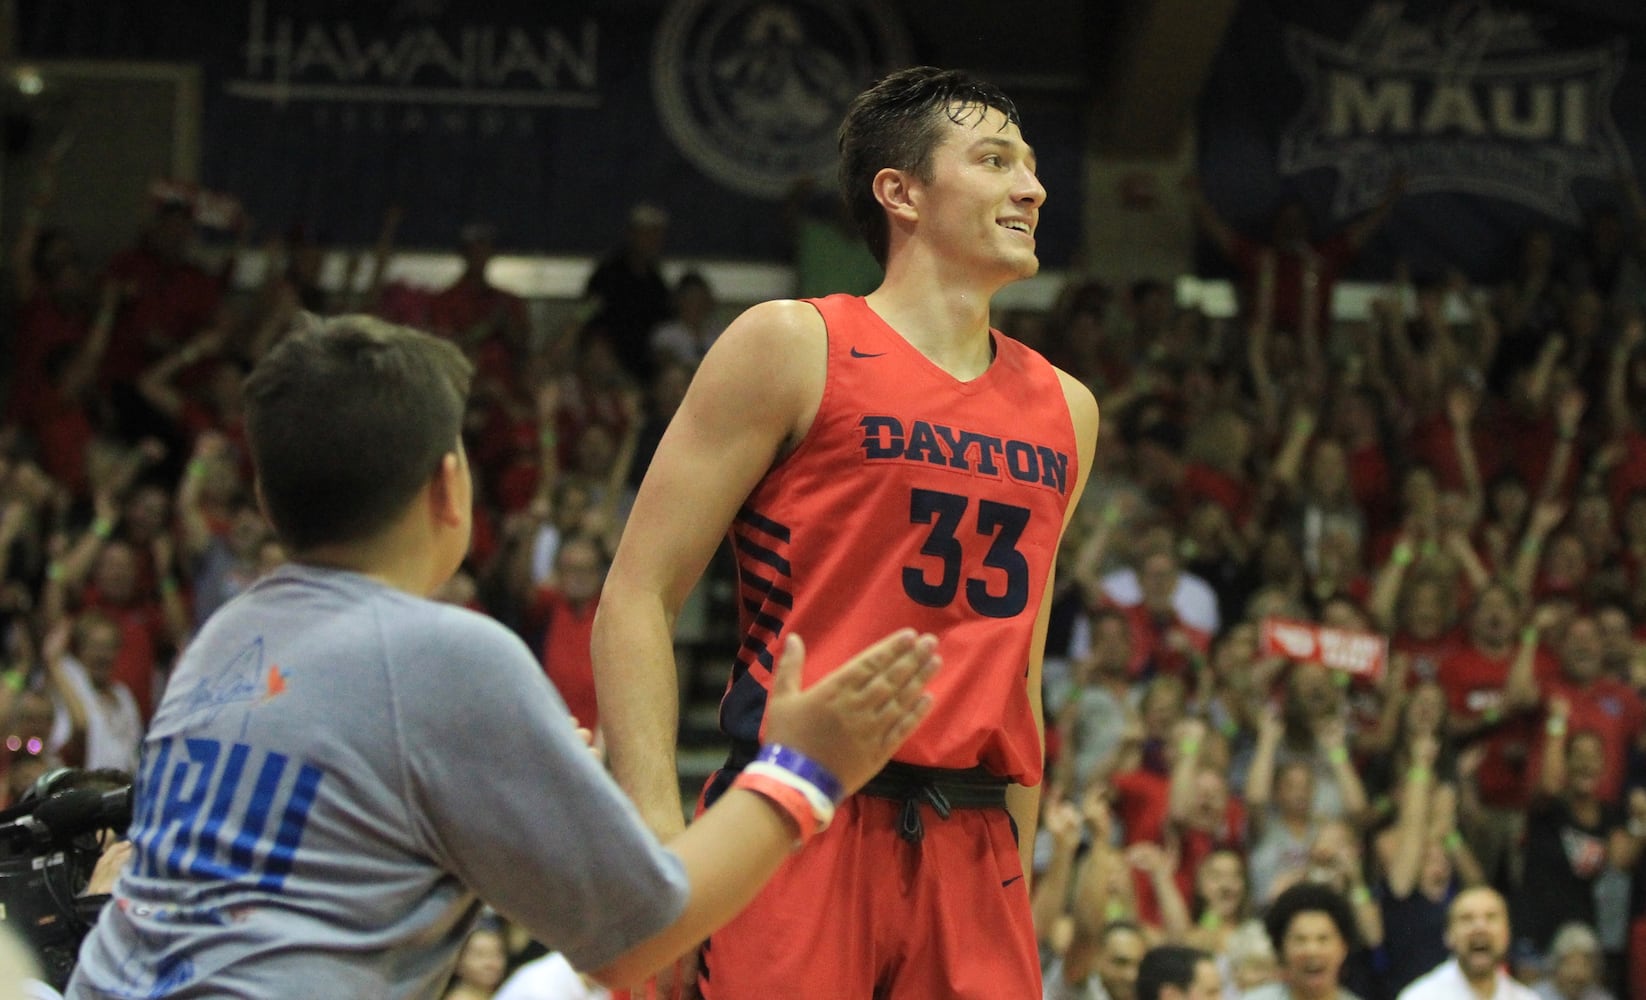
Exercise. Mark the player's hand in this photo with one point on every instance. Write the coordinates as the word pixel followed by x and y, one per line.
pixel 853 719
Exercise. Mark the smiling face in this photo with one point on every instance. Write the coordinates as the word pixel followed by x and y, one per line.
pixel 980 201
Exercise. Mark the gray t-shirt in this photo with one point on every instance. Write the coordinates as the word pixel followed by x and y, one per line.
pixel 337 776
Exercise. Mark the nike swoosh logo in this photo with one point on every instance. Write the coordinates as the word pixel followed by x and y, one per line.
pixel 859 354
pixel 1015 878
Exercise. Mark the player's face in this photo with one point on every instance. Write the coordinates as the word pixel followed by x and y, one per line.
pixel 983 198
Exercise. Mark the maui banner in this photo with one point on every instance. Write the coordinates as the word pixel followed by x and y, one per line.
pixel 1496 116
pixel 546 120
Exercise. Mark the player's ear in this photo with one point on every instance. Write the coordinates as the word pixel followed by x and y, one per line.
pixel 895 190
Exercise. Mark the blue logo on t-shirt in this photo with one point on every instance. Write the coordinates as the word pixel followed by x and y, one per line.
pixel 215 811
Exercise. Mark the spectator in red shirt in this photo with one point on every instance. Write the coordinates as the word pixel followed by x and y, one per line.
pixel 1492 691
pixel 1597 702
pixel 1425 629
pixel 198 389
pixel 563 610
pixel 149 630
pixel 1357 421
pixel 1177 485
pixel 488 323
pixel 1162 642
pixel 64 411
pixel 57 303
pixel 1293 270
pixel 1205 815
pixel 1508 503
pixel 172 299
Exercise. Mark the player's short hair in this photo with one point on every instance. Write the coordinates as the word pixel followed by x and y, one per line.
pixel 897 123
pixel 347 419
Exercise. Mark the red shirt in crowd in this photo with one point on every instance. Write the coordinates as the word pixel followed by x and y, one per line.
pixel 1142 801
pixel 1606 706
pixel 1427 654
pixel 1331 256
pixel 1372 484
pixel 1202 482
pixel 1434 444
pixel 1474 683
pixel 1152 653
pixel 470 304
pixel 143 634
pixel 1194 846
pixel 173 300
pixel 567 633
pixel 42 326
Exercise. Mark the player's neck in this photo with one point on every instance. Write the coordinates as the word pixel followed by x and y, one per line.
pixel 942 316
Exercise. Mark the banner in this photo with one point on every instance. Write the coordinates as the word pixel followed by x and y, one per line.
pixel 1497 116
pixel 1349 650
pixel 547 120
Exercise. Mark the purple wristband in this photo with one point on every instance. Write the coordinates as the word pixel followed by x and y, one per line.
pixel 797 763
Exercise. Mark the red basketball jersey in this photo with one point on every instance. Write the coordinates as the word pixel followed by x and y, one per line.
pixel 914 500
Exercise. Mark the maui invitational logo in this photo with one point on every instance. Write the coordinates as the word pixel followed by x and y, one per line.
pixel 1477 102
pixel 752 90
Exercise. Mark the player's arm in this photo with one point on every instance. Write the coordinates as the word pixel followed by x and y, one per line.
pixel 1023 801
pixel 755 392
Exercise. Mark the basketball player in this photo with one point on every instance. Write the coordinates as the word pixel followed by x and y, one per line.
pixel 875 460
pixel 342 769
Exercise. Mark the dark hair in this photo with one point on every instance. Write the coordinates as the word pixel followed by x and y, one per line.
pixel 1167 965
pixel 897 123
pixel 347 420
pixel 1309 897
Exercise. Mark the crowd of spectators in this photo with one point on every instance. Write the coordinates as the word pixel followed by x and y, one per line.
pixel 1462 475
pixel 1458 480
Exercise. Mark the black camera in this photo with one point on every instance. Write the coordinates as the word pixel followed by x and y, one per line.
pixel 49 846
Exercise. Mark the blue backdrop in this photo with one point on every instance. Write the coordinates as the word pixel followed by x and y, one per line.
pixel 546 119
pixel 1500 115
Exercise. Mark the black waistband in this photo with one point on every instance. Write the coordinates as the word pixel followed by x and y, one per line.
pixel 943 789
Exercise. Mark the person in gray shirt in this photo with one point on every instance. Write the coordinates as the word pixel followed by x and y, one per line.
pixel 342 770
